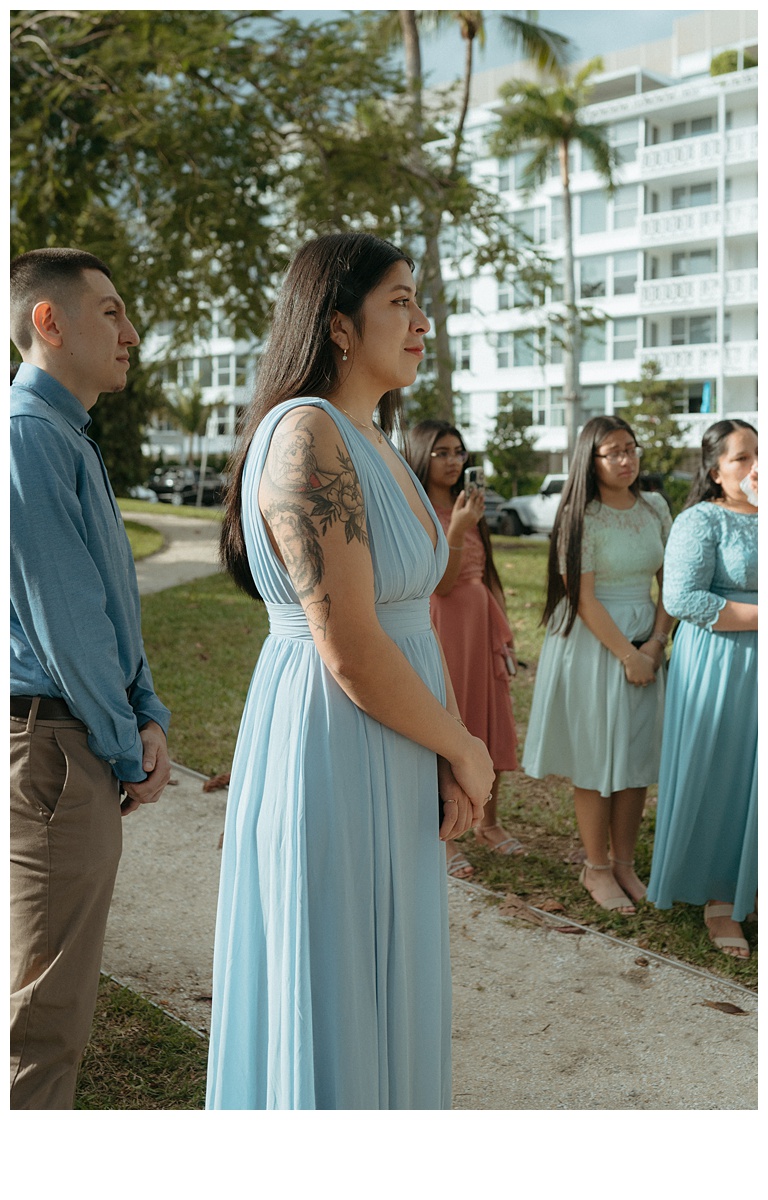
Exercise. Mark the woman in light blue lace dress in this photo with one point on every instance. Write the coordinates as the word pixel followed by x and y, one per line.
pixel 597 709
pixel 705 850
pixel 331 978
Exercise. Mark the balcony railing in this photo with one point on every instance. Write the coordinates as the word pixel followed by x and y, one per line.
pixel 689 154
pixel 691 224
pixel 701 362
pixel 694 154
pixel 698 291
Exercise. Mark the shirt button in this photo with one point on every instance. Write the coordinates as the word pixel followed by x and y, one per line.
pixel 111 761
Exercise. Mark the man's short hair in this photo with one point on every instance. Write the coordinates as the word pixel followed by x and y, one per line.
pixel 52 273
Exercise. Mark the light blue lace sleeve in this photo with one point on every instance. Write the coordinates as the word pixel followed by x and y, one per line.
pixel 690 564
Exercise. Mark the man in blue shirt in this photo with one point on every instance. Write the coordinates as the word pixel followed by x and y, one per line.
pixel 86 725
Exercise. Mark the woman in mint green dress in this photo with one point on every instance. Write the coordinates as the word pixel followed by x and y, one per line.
pixel 705 850
pixel 598 701
pixel 331 984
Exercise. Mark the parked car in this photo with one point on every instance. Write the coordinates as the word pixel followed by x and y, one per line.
pixel 493 502
pixel 179 485
pixel 532 514
pixel 142 493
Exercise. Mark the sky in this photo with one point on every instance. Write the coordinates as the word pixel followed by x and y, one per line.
pixel 593 31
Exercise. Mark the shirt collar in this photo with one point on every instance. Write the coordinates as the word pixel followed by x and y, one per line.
pixel 34 379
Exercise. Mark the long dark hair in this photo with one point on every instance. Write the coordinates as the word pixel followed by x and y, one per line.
pixel 567 532
pixel 419 444
pixel 331 273
pixel 713 447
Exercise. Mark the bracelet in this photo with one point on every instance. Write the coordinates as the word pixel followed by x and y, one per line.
pixel 450 547
pixel 463 726
pixel 659 637
pixel 626 656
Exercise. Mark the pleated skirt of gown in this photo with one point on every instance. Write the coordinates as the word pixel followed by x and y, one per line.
pixel 587 722
pixel 705 845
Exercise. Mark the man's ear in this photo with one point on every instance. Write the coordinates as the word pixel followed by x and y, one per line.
pixel 45 323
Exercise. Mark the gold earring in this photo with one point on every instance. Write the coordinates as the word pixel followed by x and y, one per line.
pixel 344 356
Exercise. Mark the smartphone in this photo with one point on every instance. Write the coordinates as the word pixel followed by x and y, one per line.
pixel 474 480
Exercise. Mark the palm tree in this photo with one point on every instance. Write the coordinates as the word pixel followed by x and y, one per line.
pixel 187 413
pixel 551 120
pixel 547 49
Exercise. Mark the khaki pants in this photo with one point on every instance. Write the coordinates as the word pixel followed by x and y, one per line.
pixel 66 841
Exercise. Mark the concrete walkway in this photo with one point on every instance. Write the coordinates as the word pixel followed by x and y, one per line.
pixel 543 1019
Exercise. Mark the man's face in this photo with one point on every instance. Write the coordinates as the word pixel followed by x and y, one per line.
pixel 96 336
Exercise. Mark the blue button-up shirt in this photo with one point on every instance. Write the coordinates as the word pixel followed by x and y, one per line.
pixel 75 610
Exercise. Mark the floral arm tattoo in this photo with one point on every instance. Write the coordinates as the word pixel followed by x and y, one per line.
pixel 309 501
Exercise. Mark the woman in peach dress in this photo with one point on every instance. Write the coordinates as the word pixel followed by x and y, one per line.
pixel 469 614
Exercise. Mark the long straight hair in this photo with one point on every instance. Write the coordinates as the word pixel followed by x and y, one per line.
pixel 419 444
pixel 580 489
pixel 713 447
pixel 328 274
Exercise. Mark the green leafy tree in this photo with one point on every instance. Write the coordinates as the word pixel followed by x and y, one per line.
pixel 549 120
pixel 650 404
pixel 510 448
pixel 728 61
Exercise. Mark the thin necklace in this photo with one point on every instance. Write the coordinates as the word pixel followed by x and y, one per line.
pixel 373 428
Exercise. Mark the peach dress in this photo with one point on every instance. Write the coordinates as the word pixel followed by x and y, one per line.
pixel 475 635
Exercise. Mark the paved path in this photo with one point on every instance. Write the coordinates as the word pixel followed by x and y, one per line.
pixel 190 551
pixel 542 1019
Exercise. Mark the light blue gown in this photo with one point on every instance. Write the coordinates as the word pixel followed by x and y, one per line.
pixel 587 723
pixel 332 984
pixel 706 825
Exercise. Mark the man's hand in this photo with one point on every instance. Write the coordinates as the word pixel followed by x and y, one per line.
pixel 157 765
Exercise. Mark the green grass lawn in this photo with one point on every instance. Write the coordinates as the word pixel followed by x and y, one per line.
pixel 144 541
pixel 127 505
pixel 202 642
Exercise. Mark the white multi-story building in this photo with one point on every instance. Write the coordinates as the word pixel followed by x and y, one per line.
pixel 668 262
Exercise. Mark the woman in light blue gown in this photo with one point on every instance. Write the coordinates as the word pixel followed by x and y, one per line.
pixel 705 850
pixel 332 984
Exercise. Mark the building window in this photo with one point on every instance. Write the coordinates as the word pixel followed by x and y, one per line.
pixel 522 162
pixel 556 218
pixel 461 352
pixel 594 210
pixel 624 205
pixel 205 371
pixel 624 337
pixel 624 138
pixel 592 402
pixel 524 349
pixel 694 196
pixel 531 223
pixel 223 370
pixel 593 343
pixel 701 330
pixel 506 295
pixel 241 370
pixel 624 273
pixel 503 351
pixel 461 410
pixel 505 175
pixel 592 274
pixel 556 407
pixel 556 291
pixel 693 262
pixel 459 295
pixel 693 331
pixel 186 371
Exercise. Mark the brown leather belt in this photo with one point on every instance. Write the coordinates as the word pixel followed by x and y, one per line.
pixel 49 709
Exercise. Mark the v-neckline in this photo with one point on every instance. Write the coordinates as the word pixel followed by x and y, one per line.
pixel 421 495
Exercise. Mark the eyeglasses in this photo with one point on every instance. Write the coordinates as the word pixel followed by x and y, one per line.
pixel 461 455
pixel 615 457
